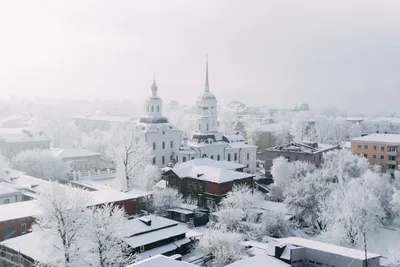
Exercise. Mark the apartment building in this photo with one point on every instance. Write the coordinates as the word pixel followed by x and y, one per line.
pixel 380 149
pixel 11 144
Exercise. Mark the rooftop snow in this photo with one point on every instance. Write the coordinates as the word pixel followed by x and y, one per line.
pixel 26 136
pixel 297 147
pixel 259 261
pixel 5 189
pixel 17 210
pixel 211 174
pixel 105 118
pixel 234 138
pixel 325 247
pixel 390 139
pixel 135 226
pixel 76 152
pixel 227 165
pixel 161 260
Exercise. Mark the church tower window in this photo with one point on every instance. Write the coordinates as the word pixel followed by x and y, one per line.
pixel 158 108
pixel 163 145
pixel 218 158
pixel 229 157
pixel 204 156
pixel 207 126
pixel 248 156
pixel 212 156
pixel 152 108
pixel 172 144
pixel 235 156
pixel 154 145
pixel 184 159
pixel 163 160
pixel 154 160
pixel 199 126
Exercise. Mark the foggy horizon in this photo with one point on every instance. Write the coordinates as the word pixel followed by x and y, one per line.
pixel 262 53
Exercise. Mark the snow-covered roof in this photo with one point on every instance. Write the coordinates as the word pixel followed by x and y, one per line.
pixel 155 235
pixel 136 226
pixel 14 130
pixel 7 118
pixel 210 174
pixel 277 207
pixel 32 245
pixel 239 145
pixel 180 210
pixel 17 210
pixel 223 164
pixel 6 190
pixel 259 261
pixel 390 139
pixel 160 260
pixel 105 118
pixel 303 147
pixel 75 152
pixel 234 138
pixel 325 247
pixel 24 136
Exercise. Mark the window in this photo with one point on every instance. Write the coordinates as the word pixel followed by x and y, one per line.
pixel 199 127
pixel 204 156
pixel 172 144
pixel 176 158
pixel 218 157
pixel 200 201
pixel 210 203
pixel 392 158
pixel 154 145
pixel 288 158
pixel 154 160
pixel 6 201
pixel 158 108
pixel 248 156
pixel 235 156
pixel 192 157
pixel 382 157
pixel 163 145
pixel 141 248
pixel 23 228
pixel 365 146
pixel 10 231
pixel 382 148
pixel 374 147
pixel 229 157
pixel 163 160
pixel 152 108
pixel 163 132
pixel 359 146
pixel 212 156
pixel 374 156
pixel 365 156
pixel 171 158
pixel 207 126
pixel 183 159
pixel 183 217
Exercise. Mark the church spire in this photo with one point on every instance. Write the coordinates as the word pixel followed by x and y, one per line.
pixel 154 86
pixel 206 87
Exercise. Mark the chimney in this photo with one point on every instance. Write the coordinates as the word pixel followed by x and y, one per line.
pixel 145 220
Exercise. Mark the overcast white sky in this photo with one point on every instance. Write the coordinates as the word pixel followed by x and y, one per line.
pixel 276 53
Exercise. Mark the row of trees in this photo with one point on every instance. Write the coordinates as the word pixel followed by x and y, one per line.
pixel 342 199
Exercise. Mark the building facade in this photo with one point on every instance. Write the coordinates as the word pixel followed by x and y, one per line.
pixel 207 142
pixel 80 159
pixel 161 136
pixel 379 149
pixel 89 123
pixel 12 144
pixel 305 151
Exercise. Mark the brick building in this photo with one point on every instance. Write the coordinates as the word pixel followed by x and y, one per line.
pixel 380 149
pixel 205 183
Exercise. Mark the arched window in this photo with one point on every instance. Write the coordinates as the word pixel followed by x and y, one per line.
pixel 204 156
pixel 152 108
pixel 235 156
pixel 158 108
pixel 163 145
pixel 218 158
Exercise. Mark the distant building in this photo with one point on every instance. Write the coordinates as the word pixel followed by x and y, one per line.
pixel 206 184
pixel 302 107
pixel 379 149
pixel 271 135
pixel 207 142
pixel 11 144
pixel 90 123
pixel 15 121
pixel 299 252
pixel 305 151
pixel 80 159
pixel 161 136
pixel 9 195
pixel 161 261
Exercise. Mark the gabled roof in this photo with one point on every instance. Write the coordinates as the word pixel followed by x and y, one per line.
pixel 227 165
pixel 137 226
pixel 325 247
pixel 161 261
pixel 210 174
pixel 24 136
pixel 75 152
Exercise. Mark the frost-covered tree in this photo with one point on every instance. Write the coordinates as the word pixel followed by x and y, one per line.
pixel 282 171
pixel 164 199
pixel 224 247
pixel 323 127
pixel 61 130
pixel 340 131
pixel 228 121
pixel 270 224
pixel 98 141
pixel 130 152
pixel 148 177
pixel 251 125
pixel 105 233
pixel 63 222
pixel 395 202
pixel 41 164
pixel 301 126
pixel 4 164
pixel 351 210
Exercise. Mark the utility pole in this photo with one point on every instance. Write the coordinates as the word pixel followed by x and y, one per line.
pixel 365 250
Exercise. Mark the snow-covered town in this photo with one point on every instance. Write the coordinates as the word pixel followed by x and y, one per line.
pixel 124 144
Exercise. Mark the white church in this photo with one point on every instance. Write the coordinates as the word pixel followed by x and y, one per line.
pixel 165 139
